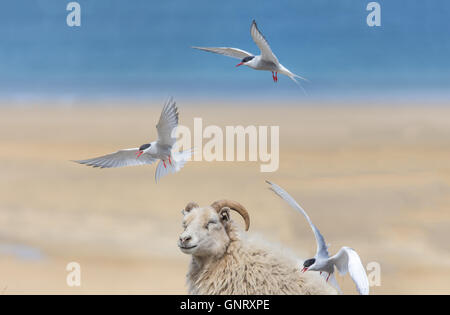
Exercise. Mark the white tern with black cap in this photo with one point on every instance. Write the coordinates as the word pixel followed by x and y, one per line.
pixel 161 149
pixel 266 61
pixel 346 260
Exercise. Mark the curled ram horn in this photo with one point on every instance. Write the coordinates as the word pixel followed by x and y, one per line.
pixel 233 205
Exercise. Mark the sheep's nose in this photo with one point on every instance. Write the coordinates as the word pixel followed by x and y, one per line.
pixel 184 239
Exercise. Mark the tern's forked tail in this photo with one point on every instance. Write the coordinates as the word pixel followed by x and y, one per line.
pixel 293 77
pixel 175 164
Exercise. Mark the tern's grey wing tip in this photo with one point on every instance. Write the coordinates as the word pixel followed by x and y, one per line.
pixel 87 163
pixel 84 162
pixel 254 25
pixel 272 188
pixel 200 48
pixel 257 28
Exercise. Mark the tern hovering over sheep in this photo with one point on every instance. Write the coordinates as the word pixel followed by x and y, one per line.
pixel 170 162
pixel 266 61
pixel 346 260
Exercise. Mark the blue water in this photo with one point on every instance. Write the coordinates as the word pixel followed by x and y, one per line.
pixel 21 251
pixel 141 49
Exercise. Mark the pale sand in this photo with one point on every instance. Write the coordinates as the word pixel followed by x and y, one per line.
pixel 375 178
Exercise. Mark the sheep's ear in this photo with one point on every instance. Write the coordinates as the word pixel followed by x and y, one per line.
pixel 191 205
pixel 224 214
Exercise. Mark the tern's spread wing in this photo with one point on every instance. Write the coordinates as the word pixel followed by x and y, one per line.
pixel 348 260
pixel 227 51
pixel 127 157
pixel 261 42
pixel 322 251
pixel 167 123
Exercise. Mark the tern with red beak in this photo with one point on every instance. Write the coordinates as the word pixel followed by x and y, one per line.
pixel 170 162
pixel 266 61
pixel 346 260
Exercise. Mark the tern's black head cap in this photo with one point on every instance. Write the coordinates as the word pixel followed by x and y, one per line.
pixel 309 262
pixel 144 146
pixel 247 59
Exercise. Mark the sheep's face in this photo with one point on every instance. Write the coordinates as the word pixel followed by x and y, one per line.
pixel 204 232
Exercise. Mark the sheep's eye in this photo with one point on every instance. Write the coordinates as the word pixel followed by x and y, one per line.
pixel 209 223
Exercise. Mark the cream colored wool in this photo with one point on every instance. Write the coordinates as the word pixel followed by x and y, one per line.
pixel 240 265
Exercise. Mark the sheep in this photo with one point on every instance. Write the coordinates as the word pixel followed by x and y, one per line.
pixel 225 261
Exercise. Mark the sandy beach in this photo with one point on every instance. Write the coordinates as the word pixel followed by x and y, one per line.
pixel 372 177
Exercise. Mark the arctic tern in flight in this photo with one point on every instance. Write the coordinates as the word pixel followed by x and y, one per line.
pixel 170 162
pixel 346 260
pixel 266 61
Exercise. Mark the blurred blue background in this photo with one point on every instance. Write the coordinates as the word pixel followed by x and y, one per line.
pixel 141 49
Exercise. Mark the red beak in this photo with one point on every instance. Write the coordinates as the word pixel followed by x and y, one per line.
pixel 139 153
pixel 239 64
pixel 304 269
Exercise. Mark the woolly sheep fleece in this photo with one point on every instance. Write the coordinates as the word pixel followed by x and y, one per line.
pixel 251 266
